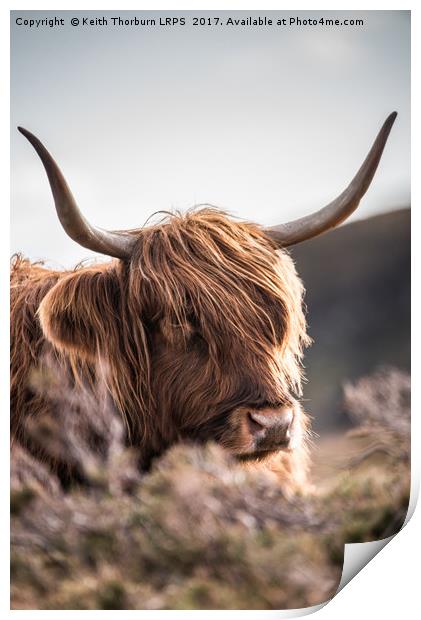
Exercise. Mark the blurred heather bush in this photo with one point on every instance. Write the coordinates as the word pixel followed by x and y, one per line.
pixel 198 531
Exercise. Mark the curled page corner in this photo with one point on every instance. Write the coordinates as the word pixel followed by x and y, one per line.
pixel 358 555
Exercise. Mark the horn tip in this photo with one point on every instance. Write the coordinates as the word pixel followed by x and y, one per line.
pixel 31 138
pixel 24 131
pixel 391 118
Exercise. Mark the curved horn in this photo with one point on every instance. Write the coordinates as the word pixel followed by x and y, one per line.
pixel 342 207
pixel 117 244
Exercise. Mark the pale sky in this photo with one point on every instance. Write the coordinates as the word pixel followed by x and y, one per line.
pixel 268 123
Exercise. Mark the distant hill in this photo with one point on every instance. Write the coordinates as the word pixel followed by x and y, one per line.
pixel 357 280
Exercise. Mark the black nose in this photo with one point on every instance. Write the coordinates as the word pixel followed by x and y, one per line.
pixel 270 427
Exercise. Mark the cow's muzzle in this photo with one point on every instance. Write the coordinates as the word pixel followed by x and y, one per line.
pixel 270 427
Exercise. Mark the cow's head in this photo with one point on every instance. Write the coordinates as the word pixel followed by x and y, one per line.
pixel 199 324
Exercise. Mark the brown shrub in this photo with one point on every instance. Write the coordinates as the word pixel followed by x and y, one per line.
pixel 198 531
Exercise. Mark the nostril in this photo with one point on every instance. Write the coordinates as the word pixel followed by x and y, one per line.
pixel 254 426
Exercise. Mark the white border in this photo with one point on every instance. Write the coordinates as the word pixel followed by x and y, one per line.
pixel 388 587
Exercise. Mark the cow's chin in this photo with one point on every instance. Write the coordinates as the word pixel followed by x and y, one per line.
pixel 259 456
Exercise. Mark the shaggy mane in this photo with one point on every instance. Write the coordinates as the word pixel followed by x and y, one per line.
pixel 198 272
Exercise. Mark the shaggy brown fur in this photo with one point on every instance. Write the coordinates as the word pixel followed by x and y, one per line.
pixel 204 320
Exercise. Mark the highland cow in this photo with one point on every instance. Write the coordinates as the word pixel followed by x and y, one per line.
pixel 197 327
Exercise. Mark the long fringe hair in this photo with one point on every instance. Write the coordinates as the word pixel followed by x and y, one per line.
pixel 194 273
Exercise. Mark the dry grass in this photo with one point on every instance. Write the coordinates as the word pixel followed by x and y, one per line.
pixel 197 531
